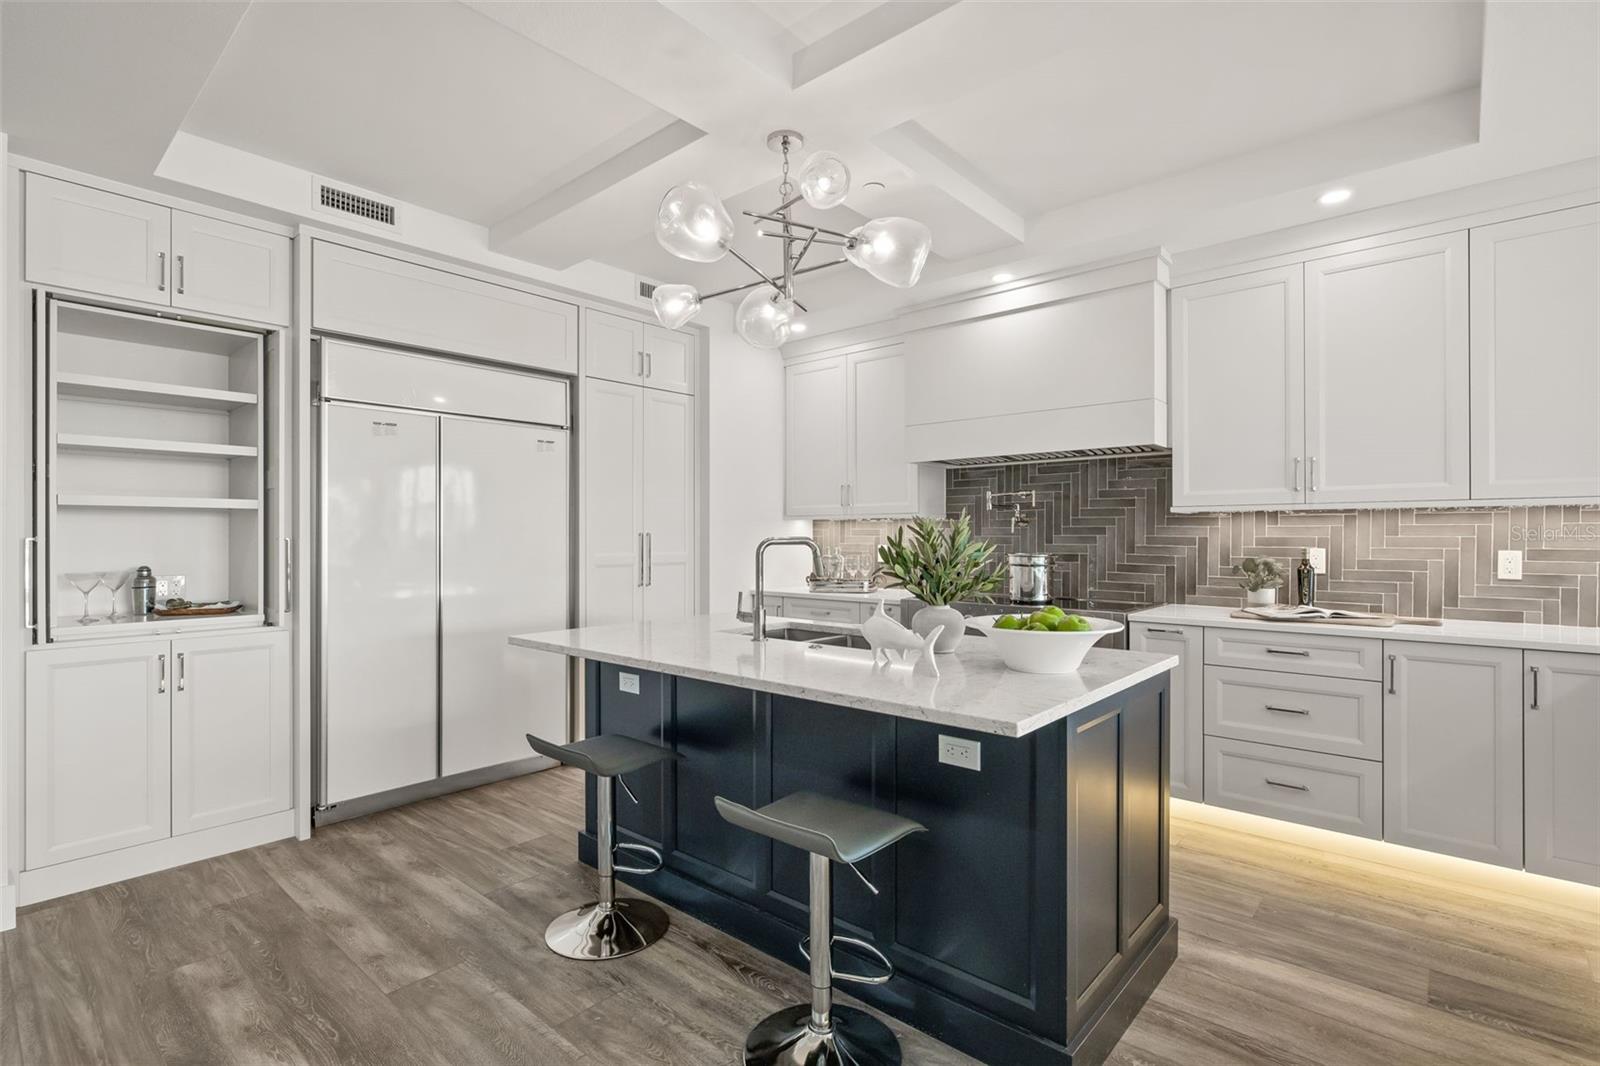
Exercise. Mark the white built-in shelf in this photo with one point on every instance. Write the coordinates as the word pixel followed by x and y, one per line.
pixel 170 503
pixel 129 627
pixel 128 390
pixel 141 446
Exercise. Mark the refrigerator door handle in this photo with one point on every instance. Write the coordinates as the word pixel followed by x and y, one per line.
pixel 638 582
pixel 649 561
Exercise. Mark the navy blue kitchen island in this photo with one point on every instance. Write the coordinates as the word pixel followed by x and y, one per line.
pixel 1031 921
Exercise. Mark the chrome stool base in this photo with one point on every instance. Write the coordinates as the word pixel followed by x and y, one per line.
pixel 590 934
pixel 787 1039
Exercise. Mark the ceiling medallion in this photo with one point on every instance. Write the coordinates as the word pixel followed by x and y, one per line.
pixel 693 224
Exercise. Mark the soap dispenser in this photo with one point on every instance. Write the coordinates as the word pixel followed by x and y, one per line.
pixel 1305 581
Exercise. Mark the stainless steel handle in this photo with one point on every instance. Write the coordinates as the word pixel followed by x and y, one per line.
pixel 849 494
pixel 649 560
pixel 288 577
pixel 161 683
pixel 649 364
pixel 639 582
pixel 640 355
pixel 1285 784
pixel 1172 632
pixel 1534 670
pixel 1301 652
pixel 29 619
pixel 1297 473
pixel 161 285
pixel 180 672
pixel 177 277
pixel 1391 675
pixel 1287 710
pixel 1313 473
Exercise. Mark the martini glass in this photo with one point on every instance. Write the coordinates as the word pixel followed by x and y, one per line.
pixel 114 580
pixel 85 584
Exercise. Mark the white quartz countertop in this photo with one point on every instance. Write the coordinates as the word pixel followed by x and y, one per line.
pixel 1495 634
pixel 974 690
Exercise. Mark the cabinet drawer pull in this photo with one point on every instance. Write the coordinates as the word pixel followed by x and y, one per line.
pixel 1285 784
pixel 1301 652
pixel 1169 632
pixel 181 678
pixel 161 681
pixel 1288 710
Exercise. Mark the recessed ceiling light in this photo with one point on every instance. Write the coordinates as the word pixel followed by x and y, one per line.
pixel 873 185
pixel 1002 277
pixel 1333 196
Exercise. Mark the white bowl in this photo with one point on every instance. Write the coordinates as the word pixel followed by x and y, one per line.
pixel 1033 652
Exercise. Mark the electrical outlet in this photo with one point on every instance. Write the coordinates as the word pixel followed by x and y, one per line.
pixel 1319 559
pixel 628 683
pixel 956 751
pixel 1509 566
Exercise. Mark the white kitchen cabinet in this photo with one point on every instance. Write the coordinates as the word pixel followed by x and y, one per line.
pixel 98 750
pixel 1452 750
pixel 1536 357
pixel 232 729
pixel 1386 373
pixel 227 269
pixel 1561 738
pixel 845 440
pixel 1238 346
pixel 76 237
pixel 1186 701
pixel 638 353
pixel 816 451
pixel 666 505
pixel 639 490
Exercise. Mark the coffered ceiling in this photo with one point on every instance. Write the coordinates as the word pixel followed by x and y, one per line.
pixel 1029 136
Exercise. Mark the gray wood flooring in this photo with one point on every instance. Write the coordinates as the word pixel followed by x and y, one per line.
pixel 414 936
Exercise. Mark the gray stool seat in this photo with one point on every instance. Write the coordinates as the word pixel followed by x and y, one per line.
pixel 608 928
pixel 844 832
pixel 607 755
pixel 832 830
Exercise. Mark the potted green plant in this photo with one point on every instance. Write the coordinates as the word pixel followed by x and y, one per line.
pixel 1260 578
pixel 940 564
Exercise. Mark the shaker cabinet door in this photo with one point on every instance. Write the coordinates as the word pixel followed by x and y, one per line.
pixel 816 431
pixel 233 270
pixel 98 750
pixel 76 237
pixel 1186 699
pixel 882 483
pixel 613 347
pixel 666 505
pixel 1561 733
pixel 668 359
pixel 613 451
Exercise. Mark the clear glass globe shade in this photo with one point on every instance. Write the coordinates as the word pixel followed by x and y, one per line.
pixel 893 250
pixel 692 223
pixel 675 304
pixel 764 317
pixel 824 180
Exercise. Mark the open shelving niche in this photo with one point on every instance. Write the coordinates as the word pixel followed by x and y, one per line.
pixel 155 441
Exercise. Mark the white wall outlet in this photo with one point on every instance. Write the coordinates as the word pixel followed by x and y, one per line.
pixel 1509 566
pixel 1319 559
pixel 958 751
pixel 628 683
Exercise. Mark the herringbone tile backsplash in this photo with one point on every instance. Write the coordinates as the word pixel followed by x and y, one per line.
pixel 1117 542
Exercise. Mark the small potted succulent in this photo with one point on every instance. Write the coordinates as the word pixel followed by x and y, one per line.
pixel 940 564
pixel 1260 578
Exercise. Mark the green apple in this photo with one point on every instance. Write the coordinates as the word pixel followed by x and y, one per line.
pixel 1075 623
pixel 1054 610
pixel 1041 618
pixel 1007 621
pixel 1036 627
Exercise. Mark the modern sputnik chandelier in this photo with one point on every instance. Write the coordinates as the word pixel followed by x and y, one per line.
pixel 693 224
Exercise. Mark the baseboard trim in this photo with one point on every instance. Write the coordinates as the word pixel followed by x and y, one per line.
pixel 62 879
pixel 8 907
pixel 439 786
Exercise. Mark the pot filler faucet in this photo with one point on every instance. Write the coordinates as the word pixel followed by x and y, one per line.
pixel 759 619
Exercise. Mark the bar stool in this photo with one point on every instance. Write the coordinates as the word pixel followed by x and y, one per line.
pixel 832 830
pixel 608 928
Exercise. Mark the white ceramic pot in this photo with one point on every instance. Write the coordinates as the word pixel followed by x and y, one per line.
pixel 1260 597
pixel 954 622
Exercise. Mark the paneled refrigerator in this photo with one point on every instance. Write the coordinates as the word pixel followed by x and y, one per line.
pixel 443 529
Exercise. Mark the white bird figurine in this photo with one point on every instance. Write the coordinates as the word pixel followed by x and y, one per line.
pixel 892 642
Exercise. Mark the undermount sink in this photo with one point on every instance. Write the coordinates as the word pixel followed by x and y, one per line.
pixel 820 637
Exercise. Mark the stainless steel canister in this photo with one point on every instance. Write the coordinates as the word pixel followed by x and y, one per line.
pixel 1030 577
pixel 143 589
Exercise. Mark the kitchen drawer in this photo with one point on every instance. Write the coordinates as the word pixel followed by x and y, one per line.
pixel 1329 791
pixel 1296 653
pixel 1334 715
pixel 822 610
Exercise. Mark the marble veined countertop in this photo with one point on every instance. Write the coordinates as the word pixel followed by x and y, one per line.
pixel 974 691
pixel 1529 636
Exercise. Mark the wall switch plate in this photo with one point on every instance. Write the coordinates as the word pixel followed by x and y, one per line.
pixel 1508 566
pixel 958 751
pixel 1319 559
pixel 628 683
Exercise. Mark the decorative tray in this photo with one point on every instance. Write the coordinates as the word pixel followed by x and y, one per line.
pixel 185 609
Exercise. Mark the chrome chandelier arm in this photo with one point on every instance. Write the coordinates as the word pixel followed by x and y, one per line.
pixel 768 281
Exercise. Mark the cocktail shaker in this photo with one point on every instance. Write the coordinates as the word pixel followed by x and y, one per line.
pixel 143 589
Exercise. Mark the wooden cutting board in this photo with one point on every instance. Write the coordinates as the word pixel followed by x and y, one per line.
pixel 1377 621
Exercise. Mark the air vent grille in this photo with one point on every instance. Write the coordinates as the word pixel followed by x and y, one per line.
pixel 647 289
pixel 364 207
pixel 1076 455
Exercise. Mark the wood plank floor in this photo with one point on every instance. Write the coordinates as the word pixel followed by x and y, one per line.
pixel 414 936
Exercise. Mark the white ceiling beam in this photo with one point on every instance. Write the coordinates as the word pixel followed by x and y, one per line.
pixel 857 37
pixel 746 31
pixel 920 152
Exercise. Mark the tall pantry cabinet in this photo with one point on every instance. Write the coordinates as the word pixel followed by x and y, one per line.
pixel 639 437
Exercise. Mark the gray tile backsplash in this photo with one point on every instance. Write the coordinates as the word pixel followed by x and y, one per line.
pixel 1117 542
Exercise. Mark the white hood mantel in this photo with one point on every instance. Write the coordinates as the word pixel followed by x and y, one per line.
pixel 1070 367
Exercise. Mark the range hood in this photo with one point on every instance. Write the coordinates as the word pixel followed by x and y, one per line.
pixel 1075 368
